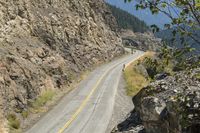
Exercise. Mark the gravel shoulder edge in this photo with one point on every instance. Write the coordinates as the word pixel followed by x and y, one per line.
pixel 123 106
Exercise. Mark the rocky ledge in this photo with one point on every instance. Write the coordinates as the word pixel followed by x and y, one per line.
pixel 170 104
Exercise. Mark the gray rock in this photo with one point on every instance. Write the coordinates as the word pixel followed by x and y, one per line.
pixel 161 76
pixel 170 105
pixel 152 109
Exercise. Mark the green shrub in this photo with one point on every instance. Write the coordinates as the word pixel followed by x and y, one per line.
pixel 13 121
pixel 164 63
pixel 25 114
pixel 152 66
pixel 43 99
pixel 197 76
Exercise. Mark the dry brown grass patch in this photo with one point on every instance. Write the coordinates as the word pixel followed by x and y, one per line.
pixel 134 79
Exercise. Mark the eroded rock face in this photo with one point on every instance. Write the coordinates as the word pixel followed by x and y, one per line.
pixel 44 43
pixel 171 105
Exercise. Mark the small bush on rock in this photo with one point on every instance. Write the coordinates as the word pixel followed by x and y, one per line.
pixel 43 99
pixel 14 123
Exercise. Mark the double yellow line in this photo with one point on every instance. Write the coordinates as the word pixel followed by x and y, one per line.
pixel 78 111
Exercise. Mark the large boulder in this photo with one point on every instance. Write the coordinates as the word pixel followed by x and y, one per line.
pixel 172 104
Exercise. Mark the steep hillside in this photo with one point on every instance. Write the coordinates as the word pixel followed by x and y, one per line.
pixel 46 44
pixel 126 20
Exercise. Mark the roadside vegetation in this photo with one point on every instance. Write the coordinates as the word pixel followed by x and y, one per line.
pixel 154 66
pixel 13 122
pixel 37 106
pixel 135 77
pixel 43 99
pixel 184 25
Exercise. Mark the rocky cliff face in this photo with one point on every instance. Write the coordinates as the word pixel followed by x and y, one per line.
pixel 45 43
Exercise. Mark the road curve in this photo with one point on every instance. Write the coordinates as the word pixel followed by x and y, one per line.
pixel 89 107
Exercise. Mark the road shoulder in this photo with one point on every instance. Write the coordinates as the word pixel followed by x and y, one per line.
pixel 123 106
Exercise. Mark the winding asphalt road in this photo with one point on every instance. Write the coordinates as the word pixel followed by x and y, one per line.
pixel 89 107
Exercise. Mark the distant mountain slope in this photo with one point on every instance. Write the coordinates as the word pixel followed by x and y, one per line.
pixel 167 36
pixel 145 15
pixel 126 20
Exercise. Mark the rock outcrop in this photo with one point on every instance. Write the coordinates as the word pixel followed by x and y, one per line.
pixel 168 105
pixel 172 104
pixel 46 43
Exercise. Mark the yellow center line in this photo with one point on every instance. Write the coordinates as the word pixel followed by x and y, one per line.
pixel 78 111
pixel 84 102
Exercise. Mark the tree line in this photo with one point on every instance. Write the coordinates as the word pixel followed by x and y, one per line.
pixel 126 20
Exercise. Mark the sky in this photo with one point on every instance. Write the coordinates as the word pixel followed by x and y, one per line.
pixel 144 15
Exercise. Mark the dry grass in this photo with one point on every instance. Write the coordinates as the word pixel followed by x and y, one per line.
pixel 13 121
pixel 40 102
pixel 134 79
pixel 197 76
